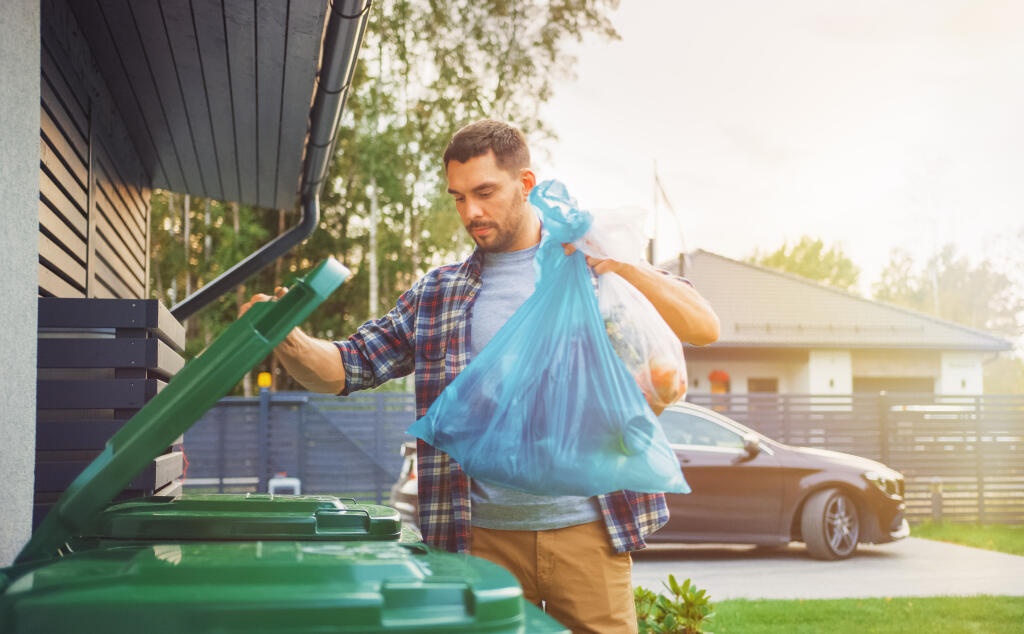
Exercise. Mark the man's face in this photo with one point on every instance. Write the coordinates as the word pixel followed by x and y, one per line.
pixel 491 202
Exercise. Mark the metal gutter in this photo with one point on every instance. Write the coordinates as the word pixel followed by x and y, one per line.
pixel 342 41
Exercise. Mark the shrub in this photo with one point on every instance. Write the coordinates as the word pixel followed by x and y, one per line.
pixel 686 612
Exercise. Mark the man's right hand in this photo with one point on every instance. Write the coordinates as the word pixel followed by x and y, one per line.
pixel 261 297
pixel 314 363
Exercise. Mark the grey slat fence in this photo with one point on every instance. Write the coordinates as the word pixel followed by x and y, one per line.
pixel 968 448
pixel 332 444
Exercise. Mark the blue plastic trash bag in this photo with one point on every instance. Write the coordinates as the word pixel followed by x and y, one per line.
pixel 548 407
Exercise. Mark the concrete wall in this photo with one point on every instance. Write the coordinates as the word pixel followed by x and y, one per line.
pixel 19 257
pixel 961 373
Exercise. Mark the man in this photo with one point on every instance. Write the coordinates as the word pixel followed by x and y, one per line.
pixel 572 553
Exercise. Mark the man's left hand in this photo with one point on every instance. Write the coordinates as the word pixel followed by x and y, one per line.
pixel 687 313
pixel 600 266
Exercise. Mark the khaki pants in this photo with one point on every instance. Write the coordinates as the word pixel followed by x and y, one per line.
pixel 584 585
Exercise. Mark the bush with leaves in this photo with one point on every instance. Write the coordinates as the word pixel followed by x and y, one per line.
pixel 686 612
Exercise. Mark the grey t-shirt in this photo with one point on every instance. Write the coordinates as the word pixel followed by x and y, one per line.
pixel 507 280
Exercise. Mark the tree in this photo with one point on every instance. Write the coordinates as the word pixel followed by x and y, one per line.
pixel 425 69
pixel 809 258
pixel 423 73
pixel 219 236
pixel 983 295
pixel 950 287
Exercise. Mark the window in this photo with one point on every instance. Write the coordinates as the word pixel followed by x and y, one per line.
pixel 763 385
pixel 684 428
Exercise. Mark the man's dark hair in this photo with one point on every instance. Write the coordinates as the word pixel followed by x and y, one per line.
pixel 481 137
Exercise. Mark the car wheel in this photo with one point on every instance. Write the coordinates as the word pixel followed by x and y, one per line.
pixel 830 525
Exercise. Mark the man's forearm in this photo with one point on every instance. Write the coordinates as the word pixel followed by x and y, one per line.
pixel 686 312
pixel 315 363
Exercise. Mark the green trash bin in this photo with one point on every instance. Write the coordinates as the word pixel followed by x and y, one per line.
pixel 241 563
pixel 268 586
pixel 219 517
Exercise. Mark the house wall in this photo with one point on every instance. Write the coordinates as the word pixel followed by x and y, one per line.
pixel 787 366
pixel 19 189
pixel 93 201
pixel 899 363
pixel 830 372
pixel 802 379
pixel 896 371
pixel 810 372
pixel 961 373
pixel 787 374
pixel 75 214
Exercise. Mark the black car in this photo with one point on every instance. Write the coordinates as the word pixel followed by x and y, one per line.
pixel 750 489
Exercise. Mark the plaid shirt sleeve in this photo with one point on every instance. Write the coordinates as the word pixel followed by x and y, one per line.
pixel 630 517
pixel 381 349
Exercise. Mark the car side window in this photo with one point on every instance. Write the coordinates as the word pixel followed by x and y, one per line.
pixel 684 428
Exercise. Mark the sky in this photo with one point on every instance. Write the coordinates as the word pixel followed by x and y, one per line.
pixel 872 124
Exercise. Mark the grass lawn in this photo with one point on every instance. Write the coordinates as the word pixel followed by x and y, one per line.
pixel 982 614
pixel 1006 538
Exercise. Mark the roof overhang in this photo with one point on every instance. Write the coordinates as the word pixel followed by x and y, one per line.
pixel 216 94
pixel 232 100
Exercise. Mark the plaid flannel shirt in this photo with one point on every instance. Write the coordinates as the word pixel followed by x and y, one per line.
pixel 428 333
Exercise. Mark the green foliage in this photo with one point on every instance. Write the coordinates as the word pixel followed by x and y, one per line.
pixel 982 295
pixel 424 71
pixel 950 287
pixel 686 612
pixel 809 258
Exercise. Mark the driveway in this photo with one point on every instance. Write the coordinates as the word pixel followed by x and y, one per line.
pixel 912 567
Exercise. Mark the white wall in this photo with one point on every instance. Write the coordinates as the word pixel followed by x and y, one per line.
pixel 961 373
pixel 19 257
pixel 831 372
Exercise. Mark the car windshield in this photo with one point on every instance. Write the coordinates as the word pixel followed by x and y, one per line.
pixel 687 428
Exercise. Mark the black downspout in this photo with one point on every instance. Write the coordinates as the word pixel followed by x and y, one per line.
pixel 339 60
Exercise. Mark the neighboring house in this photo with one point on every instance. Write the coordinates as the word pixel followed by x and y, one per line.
pixel 104 100
pixel 787 334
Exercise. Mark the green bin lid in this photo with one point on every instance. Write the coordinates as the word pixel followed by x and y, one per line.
pixel 273 586
pixel 242 517
pixel 194 390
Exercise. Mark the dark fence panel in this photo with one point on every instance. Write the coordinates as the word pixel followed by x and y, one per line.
pixel 971 448
pixel 335 445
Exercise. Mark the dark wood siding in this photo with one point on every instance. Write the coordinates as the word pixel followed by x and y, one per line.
pixel 93 198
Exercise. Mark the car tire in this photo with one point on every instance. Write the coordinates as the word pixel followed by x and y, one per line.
pixel 830 525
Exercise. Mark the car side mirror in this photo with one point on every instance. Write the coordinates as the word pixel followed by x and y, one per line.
pixel 751 445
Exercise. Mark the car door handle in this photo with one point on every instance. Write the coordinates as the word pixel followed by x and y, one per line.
pixel 684 459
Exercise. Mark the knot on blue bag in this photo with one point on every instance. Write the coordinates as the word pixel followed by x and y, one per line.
pixel 563 219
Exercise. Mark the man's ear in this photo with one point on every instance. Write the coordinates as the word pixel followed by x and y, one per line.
pixel 528 180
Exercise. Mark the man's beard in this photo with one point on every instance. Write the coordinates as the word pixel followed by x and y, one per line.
pixel 502 237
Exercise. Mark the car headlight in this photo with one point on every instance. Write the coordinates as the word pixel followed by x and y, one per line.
pixel 889 486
